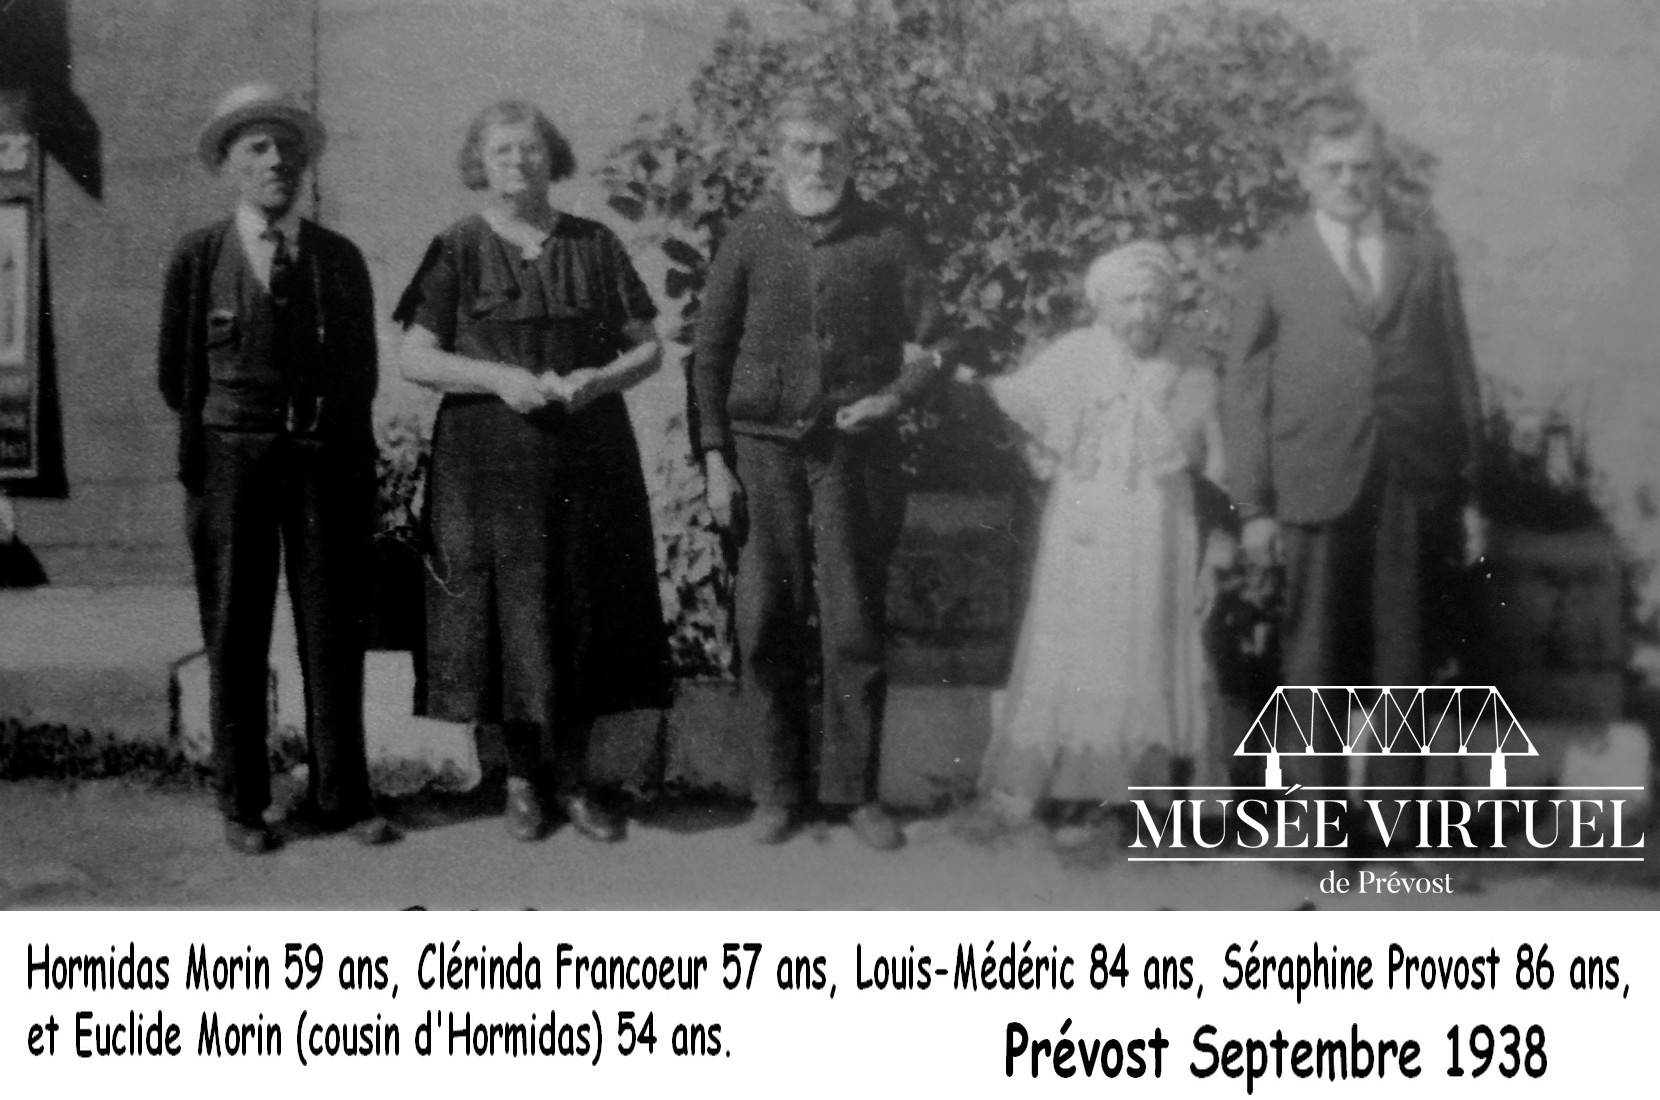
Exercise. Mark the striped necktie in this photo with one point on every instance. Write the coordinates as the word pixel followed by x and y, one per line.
pixel 1354 269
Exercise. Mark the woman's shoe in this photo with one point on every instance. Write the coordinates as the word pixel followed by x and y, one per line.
pixel 592 820
pixel 525 819
pixel 1072 838
pixel 250 840
pixel 875 827
pixel 981 823
pixel 373 831
pixel 772 824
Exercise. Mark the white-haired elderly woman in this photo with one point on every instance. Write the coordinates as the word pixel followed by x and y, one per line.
pixel 1110 686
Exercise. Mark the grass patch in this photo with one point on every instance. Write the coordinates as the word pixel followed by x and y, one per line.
pixel 34 750
pixel 47 751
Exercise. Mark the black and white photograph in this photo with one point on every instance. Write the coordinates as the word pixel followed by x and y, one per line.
pixel 829 455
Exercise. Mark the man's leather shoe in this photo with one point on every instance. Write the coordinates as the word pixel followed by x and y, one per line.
pixel 250 840
pixel 373 831
pixel 771 824
pixel 525 819
pixel 307 820
pixel 592 820
pixel 875 827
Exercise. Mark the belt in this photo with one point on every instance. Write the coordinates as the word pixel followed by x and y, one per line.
pixel 295 414
pixel 305 414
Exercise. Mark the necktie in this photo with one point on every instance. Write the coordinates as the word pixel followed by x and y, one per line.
pixel 1355 270
pixel 282 265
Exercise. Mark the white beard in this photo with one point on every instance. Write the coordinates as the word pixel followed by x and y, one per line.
pixel 811 201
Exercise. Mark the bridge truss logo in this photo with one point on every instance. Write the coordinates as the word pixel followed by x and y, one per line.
pixel 1470 731
pixel 1363 722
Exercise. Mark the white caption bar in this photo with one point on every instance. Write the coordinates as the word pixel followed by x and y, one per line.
pixel 1229 1004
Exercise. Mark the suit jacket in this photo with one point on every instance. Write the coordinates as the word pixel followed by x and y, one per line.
pixel 345 319
pixel 1320 388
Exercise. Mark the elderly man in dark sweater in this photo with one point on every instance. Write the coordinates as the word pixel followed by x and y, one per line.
pixel 810 342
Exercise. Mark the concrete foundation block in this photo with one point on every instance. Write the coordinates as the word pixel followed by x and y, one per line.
pixel 192 722
pixel 395 736
pixel 94 659
pixel 933 739
pixel 395 739
pixel 704 746
pixel 132 704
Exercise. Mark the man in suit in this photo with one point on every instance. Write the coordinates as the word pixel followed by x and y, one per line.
pixel 267 354
pixel 1350 417
pixel 810 342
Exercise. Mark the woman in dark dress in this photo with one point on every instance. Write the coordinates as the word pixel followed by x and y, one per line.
pixel 542 594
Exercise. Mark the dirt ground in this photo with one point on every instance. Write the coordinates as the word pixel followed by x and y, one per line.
pixel 124 844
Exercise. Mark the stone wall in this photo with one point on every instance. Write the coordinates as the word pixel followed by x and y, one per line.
pixel 1542 111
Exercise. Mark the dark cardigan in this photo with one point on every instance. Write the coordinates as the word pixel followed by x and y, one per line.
pixel 802 316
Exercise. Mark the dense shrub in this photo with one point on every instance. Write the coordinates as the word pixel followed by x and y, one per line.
pixel 1018 139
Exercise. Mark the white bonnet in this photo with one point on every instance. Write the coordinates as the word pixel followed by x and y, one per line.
pixel 1131 264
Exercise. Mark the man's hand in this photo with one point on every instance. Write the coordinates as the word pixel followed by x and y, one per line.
pixel 1475 535
pixel 867 412
pixel 554 387
pixel 1220 555
pixel 581 388
pixel 724 493
pixel 1260 539
pixel 521 390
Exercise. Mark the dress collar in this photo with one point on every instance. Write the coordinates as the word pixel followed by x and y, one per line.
pixel 520 235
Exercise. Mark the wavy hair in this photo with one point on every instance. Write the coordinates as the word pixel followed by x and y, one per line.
pixel 512 112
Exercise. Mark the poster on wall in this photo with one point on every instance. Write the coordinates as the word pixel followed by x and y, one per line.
pixel 19 349
pixel 14 266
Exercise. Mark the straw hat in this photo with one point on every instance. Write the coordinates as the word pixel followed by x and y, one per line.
pixel 257 103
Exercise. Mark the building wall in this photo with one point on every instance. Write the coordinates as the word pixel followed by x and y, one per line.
pixel 146 71
pixel 1541 110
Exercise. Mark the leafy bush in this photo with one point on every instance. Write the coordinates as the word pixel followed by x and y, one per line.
pixel 1020 141
pixel 404 445
pixel 1535 470
pixel 693 576
pixel 50 751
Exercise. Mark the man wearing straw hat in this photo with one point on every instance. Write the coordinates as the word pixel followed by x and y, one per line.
pixel 267 354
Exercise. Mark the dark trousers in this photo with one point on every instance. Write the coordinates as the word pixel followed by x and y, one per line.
pixel 824 514
pixel 1369 601
pixel 261 492
pixel 554 757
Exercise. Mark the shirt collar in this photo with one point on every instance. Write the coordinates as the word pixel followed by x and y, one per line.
pixel 251 224
pixel 1336 233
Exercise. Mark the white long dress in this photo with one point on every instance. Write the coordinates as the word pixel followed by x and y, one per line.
pixel 1110 684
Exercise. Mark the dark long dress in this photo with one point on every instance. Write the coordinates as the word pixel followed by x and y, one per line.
pixel 543 605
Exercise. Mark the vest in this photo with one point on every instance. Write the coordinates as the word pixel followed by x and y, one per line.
pixel 263 356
